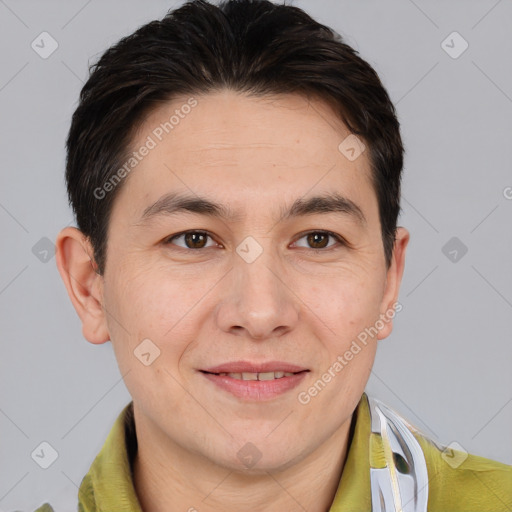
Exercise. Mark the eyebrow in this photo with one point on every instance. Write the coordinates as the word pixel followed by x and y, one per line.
pixel 173 203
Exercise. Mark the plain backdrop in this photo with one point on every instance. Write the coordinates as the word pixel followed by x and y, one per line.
pixel 447 365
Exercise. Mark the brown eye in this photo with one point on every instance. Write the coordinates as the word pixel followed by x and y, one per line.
pixel 320 239
pixel 192 239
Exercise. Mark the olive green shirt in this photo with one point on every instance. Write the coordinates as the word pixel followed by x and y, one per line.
pixel 457 482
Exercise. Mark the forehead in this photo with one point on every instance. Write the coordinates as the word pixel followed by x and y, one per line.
pixel 243 150
pixel 229 120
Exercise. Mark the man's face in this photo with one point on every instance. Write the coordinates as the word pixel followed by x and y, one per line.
pixel 258 287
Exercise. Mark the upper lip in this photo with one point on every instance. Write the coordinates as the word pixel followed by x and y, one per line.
pixel 248 367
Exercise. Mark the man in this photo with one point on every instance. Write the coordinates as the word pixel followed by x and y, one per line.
pixel 235 173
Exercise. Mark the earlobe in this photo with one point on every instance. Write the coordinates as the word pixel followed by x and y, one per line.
pixel 393 281
pixel 84 285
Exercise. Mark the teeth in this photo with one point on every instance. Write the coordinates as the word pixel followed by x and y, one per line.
pixel 257 376
pixel 266 376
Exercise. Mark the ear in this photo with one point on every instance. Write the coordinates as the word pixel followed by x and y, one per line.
pixel 84 285
pixel 393 281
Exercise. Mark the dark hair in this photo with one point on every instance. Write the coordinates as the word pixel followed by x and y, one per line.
pixel 251 46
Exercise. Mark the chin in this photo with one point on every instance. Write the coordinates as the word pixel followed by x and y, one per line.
pixel 258 458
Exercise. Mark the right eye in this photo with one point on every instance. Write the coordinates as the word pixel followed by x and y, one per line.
pixel 193 239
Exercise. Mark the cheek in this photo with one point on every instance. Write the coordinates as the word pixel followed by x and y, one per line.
pixel 350 343
pixel 150 303
pixel 349 306
pixel 143 298
pixel 147 323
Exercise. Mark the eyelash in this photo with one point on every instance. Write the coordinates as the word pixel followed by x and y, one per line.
pixel 339 239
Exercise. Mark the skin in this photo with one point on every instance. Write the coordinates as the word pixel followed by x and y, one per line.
pixel 207 306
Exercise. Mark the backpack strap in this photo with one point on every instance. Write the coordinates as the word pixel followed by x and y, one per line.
pixel 398 471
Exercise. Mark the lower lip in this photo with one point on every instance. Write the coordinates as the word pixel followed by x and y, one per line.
pixel 256 390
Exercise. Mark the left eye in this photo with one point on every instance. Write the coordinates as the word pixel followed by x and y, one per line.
pixel 197 239
pixel 318 239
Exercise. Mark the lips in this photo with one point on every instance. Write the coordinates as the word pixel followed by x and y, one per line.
pixel 256 381
pixel 248 367
pixel 256 376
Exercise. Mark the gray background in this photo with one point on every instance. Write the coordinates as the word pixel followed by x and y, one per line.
pixel 446 366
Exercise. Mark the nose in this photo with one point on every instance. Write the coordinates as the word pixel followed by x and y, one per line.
pixel 259 303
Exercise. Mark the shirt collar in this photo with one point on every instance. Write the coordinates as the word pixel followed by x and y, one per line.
pixel 109 483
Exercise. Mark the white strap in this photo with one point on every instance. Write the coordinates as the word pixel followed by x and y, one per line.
pixel 402 487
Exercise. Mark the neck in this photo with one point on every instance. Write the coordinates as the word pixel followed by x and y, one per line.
pixel 169 478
